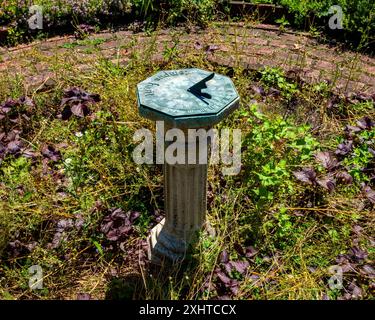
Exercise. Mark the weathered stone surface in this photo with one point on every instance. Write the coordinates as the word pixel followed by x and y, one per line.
pixel 168 96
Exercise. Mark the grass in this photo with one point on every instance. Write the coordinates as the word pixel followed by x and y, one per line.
pixel 298 231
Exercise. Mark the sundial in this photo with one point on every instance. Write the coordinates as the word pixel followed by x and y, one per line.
pixel 187 98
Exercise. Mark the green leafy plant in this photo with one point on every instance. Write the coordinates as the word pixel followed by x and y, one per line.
pixel 170 52
pixel 283 23
pixel 276 77
pixel 275 146
pixel 360 159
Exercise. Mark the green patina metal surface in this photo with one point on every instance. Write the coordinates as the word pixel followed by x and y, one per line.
pixel 187 98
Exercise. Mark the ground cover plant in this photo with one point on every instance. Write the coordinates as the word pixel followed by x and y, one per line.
pixel 72 200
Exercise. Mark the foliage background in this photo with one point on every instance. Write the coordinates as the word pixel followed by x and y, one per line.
pixel 359 15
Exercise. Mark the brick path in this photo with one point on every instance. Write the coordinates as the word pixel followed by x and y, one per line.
pixel 251 47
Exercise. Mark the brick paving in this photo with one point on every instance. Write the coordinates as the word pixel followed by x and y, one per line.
pixel 236 45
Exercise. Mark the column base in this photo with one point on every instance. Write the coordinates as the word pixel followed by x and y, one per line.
pixel 165 247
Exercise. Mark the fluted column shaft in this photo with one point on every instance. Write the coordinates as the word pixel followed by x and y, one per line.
pixel 185 196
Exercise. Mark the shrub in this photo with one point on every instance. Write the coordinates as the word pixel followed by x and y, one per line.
pixel 359 15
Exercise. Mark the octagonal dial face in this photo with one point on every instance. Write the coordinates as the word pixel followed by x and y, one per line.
pixel 187 92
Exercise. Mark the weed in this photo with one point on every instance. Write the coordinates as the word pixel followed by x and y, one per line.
pixel 275 77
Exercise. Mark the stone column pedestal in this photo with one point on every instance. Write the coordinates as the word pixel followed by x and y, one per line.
pixel 185 98
pixel 185 198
